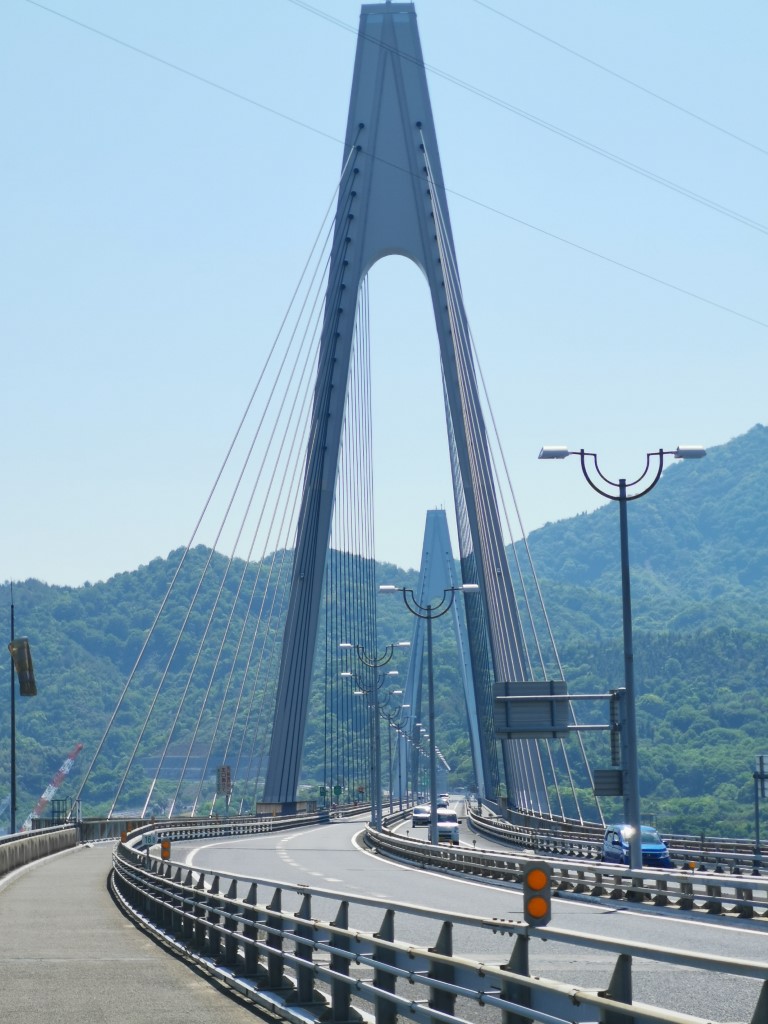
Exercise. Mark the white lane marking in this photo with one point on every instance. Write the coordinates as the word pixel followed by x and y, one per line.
pixel 731 927
pixel 292 836
pixel 669 917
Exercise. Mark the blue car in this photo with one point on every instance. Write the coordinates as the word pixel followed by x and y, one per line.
pixel 654 849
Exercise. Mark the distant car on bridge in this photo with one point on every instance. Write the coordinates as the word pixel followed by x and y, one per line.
pixel 420 816
pixel 447 826
pixel 447 822
pixel 654 849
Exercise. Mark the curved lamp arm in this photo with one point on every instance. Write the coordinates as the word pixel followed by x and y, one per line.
pixel 430 611
pixel 683 451
pixel 371 662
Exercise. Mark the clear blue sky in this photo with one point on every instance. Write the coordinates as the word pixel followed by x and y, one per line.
pixel 154 226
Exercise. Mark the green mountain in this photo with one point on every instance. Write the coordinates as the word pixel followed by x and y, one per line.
pixel 699 555
pixel 698 547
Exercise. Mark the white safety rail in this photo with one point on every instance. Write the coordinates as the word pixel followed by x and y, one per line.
pixel 91 830
pixel 741 895
pixel 297 950
pixel 584 840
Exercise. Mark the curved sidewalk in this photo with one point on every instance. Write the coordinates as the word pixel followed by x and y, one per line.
pixel 68 954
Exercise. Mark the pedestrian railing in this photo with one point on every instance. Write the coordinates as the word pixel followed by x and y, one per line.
pixel 310 954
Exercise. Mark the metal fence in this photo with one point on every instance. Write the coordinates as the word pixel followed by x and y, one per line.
pixel 299 951
pixel 583 839
pixel 711 892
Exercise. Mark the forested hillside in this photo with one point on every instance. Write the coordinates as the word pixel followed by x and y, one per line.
pixel 699 555
pixel 698 546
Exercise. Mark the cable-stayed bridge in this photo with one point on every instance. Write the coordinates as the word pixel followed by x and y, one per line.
pixel 262 676
pixel 246 692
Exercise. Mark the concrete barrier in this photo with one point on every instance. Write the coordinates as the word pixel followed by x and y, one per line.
pixel 16 852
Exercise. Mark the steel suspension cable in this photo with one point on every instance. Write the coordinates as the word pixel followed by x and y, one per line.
pixel 453 290
pixel 271 397
pixel 297 375
pixel 121 701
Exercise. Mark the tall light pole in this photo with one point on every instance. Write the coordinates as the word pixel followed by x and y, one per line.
pixel 392 716
pixel 620 491
pixel 430 612
pixel 373 693
pixel 21 663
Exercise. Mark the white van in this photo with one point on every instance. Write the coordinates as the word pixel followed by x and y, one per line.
pixel 447 826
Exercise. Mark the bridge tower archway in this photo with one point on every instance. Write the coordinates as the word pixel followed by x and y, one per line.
pixel 392 201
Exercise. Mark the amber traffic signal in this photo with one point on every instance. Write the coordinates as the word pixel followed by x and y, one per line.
pixel 537 892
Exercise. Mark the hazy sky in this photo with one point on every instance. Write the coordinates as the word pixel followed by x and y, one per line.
pixel 155 222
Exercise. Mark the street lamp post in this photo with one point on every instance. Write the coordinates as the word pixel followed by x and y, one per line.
pixel 21 664
pixel 422 763
pixel 430 612
pixel 392 717
pixel 373 693
pixel 12 822
pixel 620 491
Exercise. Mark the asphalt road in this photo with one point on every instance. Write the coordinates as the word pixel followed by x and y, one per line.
pixel 327 857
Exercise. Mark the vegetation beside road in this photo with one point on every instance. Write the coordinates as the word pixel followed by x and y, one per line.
pixel 699 554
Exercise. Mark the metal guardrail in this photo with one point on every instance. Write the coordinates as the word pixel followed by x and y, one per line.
pixel 21 848
pixel 586 841
pixel 185 830
pixel 742 895
pixel 266 940
pixel 92 830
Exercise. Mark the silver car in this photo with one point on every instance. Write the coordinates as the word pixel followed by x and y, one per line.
pixel 420 816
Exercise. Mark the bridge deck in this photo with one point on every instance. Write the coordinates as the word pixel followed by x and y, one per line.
pixel 68 954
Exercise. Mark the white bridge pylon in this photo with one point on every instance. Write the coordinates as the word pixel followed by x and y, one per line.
pixel 392 202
